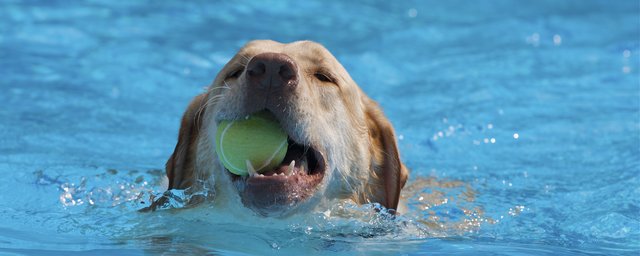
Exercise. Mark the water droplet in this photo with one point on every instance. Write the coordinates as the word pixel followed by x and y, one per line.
pixel 412 13
pixel 557 39
pixel 533 39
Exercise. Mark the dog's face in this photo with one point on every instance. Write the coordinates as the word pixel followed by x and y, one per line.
pixel 340 144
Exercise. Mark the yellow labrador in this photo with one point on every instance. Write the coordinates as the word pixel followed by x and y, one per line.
pixel 341 142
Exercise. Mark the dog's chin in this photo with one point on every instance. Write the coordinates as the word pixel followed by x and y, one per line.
pixel 280 191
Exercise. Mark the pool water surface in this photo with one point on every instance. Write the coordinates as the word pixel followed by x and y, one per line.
pixel 519 120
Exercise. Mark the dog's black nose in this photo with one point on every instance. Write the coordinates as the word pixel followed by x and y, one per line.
pixel 272 70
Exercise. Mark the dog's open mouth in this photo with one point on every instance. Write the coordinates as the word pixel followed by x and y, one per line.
pixel 294 180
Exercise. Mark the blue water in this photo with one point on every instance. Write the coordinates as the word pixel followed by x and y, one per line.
pixel 520 121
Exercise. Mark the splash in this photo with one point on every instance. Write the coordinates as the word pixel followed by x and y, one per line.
pixel 107 204
pixel 109 189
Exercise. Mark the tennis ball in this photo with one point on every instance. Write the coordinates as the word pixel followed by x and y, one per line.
pixel 258 140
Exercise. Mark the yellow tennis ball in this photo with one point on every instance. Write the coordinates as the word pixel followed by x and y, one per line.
pixel 257 139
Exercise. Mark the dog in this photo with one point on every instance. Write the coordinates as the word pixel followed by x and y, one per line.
pixel 342 144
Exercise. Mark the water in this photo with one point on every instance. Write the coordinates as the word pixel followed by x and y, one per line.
pixel 519 120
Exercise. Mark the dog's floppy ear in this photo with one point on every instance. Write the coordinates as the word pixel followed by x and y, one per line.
pixel 181 164
pixel 390 174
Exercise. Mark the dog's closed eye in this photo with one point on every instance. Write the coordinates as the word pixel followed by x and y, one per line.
pixel 234 74
pixel 324 77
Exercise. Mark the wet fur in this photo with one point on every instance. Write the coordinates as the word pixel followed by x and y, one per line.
pixel 359 142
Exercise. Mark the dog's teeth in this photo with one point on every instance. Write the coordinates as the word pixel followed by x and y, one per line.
pixel 291 167
pixel 252 172
pixel 261 175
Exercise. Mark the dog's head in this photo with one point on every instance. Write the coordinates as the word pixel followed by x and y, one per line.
pixel 340 143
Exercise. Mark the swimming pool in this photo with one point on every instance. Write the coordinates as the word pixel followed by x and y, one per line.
pixel 519 120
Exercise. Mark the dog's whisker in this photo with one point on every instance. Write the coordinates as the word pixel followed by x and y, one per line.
pixel 204 106
pixel 245 58
pixel 226 85
pixel 218 88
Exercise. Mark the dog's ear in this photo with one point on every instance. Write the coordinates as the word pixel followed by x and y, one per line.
pixel 390 175
pixel 181 164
